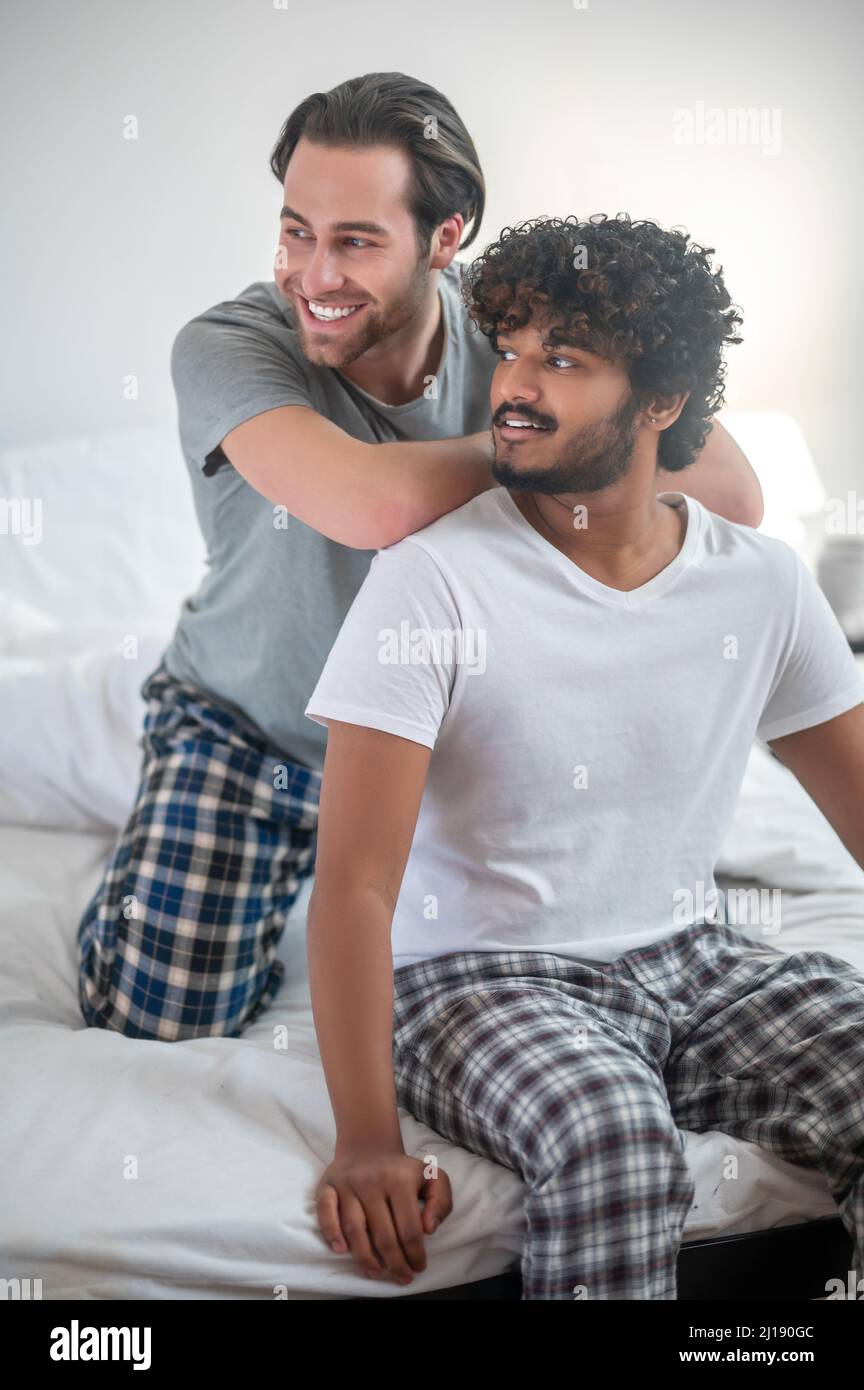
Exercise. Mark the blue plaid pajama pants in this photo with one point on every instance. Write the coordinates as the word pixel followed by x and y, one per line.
pixel 580 1076
pixel 179 940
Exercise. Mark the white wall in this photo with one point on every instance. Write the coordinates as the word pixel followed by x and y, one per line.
pixel 108 245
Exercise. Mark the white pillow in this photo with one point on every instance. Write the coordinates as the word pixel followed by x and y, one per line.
pixel 69 735
pixel 24 629
pixel 99 543
pixel 98 531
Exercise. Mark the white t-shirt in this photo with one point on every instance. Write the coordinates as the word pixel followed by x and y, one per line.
pixel 589 744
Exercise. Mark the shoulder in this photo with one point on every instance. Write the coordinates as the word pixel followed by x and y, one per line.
pixel 257 323
pixel 453 282
pixel 260 302
pixel 749 550
pixel 454 538
pixel 259 308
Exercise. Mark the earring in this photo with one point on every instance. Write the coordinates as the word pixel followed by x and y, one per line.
pixel 653 420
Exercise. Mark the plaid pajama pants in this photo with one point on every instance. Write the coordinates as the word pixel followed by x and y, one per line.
pixel 580 1076
pixel 179 939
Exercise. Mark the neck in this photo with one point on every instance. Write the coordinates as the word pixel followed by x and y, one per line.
pixel 617 532
pixel 395 370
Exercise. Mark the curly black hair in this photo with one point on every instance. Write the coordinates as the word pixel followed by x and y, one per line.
pixel 622 289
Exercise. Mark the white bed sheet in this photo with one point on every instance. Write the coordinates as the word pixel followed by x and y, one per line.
pixel 230 1135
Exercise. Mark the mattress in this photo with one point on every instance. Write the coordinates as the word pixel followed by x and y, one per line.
pixel 135 1169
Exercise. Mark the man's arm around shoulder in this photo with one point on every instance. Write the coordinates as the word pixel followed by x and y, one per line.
pixel 366 496
pixel 721 479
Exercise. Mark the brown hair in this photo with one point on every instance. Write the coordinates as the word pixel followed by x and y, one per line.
pixel 389 108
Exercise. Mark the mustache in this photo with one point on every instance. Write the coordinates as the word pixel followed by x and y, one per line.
pixel 501 414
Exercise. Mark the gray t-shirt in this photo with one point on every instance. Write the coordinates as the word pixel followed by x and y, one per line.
pixel 257 631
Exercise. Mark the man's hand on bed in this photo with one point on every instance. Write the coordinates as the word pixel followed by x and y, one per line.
pixel 828 760
pixel 368 1202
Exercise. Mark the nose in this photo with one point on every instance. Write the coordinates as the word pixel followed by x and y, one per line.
pixel 521 390
pixel 520 400
pixel 321 276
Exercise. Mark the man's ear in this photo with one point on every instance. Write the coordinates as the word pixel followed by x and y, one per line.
pixel 663 411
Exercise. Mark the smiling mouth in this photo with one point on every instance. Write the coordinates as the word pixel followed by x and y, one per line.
pixel 525 429
pixel 327 318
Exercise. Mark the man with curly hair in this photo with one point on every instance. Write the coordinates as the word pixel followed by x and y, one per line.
pixel 539 710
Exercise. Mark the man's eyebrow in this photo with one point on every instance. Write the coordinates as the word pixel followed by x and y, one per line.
pixel 372 228
pixel 564 342
pixel 549 346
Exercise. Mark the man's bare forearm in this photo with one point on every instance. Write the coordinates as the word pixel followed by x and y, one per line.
pixel 351 983
pixel 721 478
pixel 427 478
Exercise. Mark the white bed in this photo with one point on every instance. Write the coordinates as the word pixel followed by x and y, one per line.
pixel 135 1169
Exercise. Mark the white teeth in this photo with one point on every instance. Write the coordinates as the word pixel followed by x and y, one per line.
pixel 522 425
pixel 324 311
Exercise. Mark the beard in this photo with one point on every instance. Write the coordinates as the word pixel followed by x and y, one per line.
pixel 594 458
pixel 375 325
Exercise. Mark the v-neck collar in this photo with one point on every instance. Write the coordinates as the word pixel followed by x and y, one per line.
pixel 618 598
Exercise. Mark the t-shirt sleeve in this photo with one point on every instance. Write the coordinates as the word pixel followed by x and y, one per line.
pixel 392 665
pixel 224 373
pixel 818 677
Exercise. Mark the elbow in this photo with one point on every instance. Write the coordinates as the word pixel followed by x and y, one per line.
pixel 370 527
pixel 395 521
pixel 746 503
pixel 393 504
pixel 384 523
pixel 750 507
pixel 745 513
pixel 740 501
